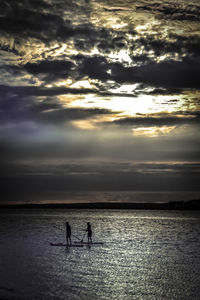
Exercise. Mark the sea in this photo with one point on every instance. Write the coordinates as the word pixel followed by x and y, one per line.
pixel 146 255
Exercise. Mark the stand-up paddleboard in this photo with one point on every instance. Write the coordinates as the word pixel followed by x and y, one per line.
pixel 86 243
pixel 65 245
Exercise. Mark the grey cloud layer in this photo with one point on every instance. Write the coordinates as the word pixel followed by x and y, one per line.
pixel 54 181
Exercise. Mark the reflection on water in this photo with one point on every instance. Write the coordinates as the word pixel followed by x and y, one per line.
pixel 145 255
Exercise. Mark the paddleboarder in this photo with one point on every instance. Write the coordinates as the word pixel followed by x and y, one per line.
pixel 68 234
pixel 89 232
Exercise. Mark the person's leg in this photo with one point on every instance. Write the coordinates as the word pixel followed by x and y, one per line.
pixel 69 240
pixel 89 239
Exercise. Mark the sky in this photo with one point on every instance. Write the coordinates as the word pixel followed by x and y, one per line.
pixel 99 100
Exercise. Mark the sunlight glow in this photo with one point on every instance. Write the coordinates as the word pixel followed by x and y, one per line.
pixel 93 122
pixel 119 26
pixel 150 26
pixel 127 106
pixel 64 82
pixel 152 131
pixel 83 124
pixel 60 50
pixel 121 56
pixel 81 84
pixel 125 88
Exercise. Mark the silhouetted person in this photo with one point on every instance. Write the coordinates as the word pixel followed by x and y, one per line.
pixel 68 234
pixel 89 231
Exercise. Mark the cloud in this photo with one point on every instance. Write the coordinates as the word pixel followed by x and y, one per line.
pixel 25 23
pixel 80 167
pixel 51 70
pixel 67 114
pixel 158 120
pixel 41 91
pixel 161 91
pixel 42 21
pixel 53 141
pixel 135 52
pixel 19 107
pixel 171 74
pixel 53 181
pixel 173 11
pixel 95 67
pixel 180 46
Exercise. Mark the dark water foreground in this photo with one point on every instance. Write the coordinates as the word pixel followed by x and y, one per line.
pixel 146 255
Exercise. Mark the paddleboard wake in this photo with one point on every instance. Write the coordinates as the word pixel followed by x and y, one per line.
pixel 76 244
pixel 65 245
pixel 86 243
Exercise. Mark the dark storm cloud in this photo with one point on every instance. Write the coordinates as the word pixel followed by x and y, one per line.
pixel 54 66
pixel 24 23
pixel 173 11
pixel 146 89
pixel 162 91
pixel 181 45
pixel 116 41
pixel 41 91
pixel 91 36
pixel 45 22
pixel 168 120
pixel 52 70
pixel 183 74
pixel 168 73
pixel 68 114
pixel 173 74
pixel 186 45
pixel 95 67
pixel 7 6
pixel 113 9
pixel 6 48
pixel 42 21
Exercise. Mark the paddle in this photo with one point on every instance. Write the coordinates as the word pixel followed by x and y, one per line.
pixel 83 237
pixel 81 240
pixel 77 237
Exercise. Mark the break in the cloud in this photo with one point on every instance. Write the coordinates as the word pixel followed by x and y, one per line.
pixel 99 96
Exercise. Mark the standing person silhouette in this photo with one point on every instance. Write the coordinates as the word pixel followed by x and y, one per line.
pixel 89 231
pixel 68 234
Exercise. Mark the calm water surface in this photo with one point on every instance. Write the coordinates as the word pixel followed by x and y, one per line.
pixel 146 255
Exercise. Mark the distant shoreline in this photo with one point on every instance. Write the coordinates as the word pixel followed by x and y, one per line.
pixel 173 205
